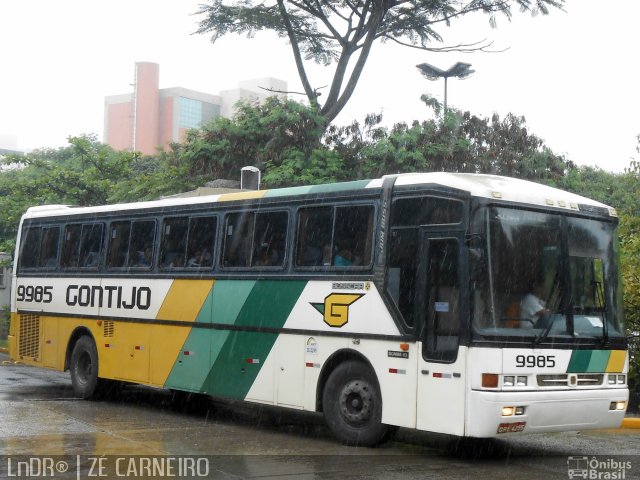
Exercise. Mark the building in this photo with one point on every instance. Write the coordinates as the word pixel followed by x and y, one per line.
pixel 150 118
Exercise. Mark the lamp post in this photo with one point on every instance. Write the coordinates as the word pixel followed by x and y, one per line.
pixel 459 70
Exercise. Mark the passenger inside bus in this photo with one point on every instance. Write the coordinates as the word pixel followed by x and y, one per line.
pixel 532 306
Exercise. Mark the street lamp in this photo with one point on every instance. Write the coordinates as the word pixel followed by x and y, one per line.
pixel 459 70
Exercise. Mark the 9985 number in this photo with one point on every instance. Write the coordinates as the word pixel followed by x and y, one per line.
pixel 540 361
pixel 31 293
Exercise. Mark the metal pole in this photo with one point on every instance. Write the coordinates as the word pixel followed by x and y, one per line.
pixel 445 96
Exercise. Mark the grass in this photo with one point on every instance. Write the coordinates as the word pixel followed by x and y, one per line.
pixel 3 343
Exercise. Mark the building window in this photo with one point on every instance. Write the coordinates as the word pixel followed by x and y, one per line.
pixel 190 113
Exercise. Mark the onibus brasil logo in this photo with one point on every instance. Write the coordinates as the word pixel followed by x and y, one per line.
pixel 335 309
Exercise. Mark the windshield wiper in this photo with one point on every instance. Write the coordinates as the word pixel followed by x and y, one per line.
pixel 545 334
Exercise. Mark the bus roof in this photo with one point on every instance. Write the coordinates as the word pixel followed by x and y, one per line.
pixel 478 185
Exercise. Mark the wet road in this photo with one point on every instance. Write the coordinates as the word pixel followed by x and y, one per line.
pixel 39 416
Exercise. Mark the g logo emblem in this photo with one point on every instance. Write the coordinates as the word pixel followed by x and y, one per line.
pixel 335 309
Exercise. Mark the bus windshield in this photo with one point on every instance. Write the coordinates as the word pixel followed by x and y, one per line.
pixel 544 277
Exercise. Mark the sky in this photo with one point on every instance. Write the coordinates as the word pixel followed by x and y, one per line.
pixel 574 74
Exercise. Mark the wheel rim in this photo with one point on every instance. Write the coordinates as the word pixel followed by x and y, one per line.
pixel 83 367
pixel 356 402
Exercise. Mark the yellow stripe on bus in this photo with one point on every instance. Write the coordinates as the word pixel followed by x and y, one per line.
pixel 226 197
pixel 184 300
pixel 616 361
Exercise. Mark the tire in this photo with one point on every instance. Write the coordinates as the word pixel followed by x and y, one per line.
pixel 352 405
pixel 84 368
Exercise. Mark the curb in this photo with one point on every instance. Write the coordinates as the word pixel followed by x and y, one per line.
pixel 631 422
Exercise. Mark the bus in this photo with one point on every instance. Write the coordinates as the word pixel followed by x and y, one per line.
pixel 465 304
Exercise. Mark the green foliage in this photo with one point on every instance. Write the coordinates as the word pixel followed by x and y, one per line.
pixel 272 136
pixel 86 172
pixel 5 318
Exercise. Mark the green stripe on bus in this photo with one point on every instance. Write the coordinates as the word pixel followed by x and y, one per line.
pixel 599 360
pixel 229 296
pixel 579 361
pixel 282 192
pixel 270 303
pixel 237 361
pixel 190 371
pixel 322 188
pixel 340 187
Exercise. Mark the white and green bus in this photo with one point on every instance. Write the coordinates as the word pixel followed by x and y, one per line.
pixel 464 304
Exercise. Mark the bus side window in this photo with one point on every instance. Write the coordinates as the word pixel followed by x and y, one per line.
pixel 313 246
pixel 201 243
pixel 49 247
pixel 71 246
pixel 30 251
pixel 352 236
pixel 401 283
pixel 270 239
pixel 340 237
pixel 174 242
pixel 237 239
pixel 90 245
pixel 141 244
pixel 118 244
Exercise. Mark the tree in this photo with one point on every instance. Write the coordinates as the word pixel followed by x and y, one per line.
pixel 343 32
pixel 86 172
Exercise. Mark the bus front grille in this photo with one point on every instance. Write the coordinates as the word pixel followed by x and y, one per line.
pixel 571 380
pixel 29 339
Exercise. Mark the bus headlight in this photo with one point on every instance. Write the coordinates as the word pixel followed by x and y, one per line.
pixel 508 381
pixel 614 379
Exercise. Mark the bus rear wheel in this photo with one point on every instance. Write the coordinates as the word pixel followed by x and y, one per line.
pixel 84 368
pixel 352 405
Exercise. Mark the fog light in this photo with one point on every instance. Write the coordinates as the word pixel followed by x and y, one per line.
pixel 521 381
pixel 490 380
pixel 508 381
pixel 621 379
pixel 618 406
pixel 519 410
pixel 508 411
pixel 612 379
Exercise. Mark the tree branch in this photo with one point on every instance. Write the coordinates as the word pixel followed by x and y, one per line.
pixel 461 47
pixel 302 73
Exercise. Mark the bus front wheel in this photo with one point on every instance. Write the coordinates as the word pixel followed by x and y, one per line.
pixel 84 368
pixel 352 405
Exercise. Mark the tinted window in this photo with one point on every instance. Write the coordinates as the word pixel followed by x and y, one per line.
pixel 255 239
pixel 141 244
pixel 118 244
pixel 426 211
pixel 335 236
pixel 40 247
pixel 237 239
pixel 202 238
pixel 81 246
pixel 174 242
pixel 131 244
pixel 270 235
pixel 188 242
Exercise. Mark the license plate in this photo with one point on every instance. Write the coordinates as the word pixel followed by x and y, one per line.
pixel 511 427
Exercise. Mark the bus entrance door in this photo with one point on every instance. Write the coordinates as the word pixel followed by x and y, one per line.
pixel 441 372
